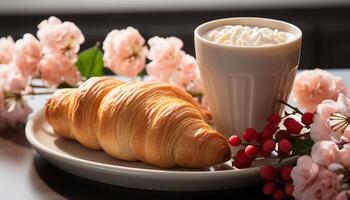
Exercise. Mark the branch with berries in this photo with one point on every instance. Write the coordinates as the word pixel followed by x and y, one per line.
pixel 275 140
pixel 319 140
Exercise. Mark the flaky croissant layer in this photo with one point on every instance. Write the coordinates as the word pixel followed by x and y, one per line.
pixel 155 123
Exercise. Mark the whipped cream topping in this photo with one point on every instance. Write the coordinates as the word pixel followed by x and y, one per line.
pixel 239 35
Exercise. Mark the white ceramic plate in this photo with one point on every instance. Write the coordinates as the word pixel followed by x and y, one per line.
pixel 96 165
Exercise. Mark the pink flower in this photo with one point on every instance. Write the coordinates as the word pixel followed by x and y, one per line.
pixel 325 187
pixel 7 47
pixel 312 181
pixel 166 56
pixel 196 85
pixel 69 72
pixel 171 65
pixel 331 120
pixel 27 54
pixel 58 37
pixel 304 174
pixel 50 71
pixel 344 195
pixel 124 52
pixel 311 87
pixel 17 112
pixel 165 50
pixel 325 153
pixel 159 73
pixel 12 81
pixel 56 68
pixel 184 74
pixel 345 155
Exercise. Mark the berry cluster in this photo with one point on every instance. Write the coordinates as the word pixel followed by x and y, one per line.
pixel 272 141
pixel 278 185
pixel 275 140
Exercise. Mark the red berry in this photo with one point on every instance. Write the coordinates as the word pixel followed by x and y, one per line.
pixel 289 188
pixel 272 127
pixel 268 146
pixel 269 188
pixel 281 134
pixel 274 118
pixel 251 151
pixel 262 153
pixel 250 134
pixel 288 122
pixel 307 118
pixel 234 140
pixel 279 194
pixel 284 146
pixel 285 173
pixel 267 172
pixel 241 160
pixel 292 126
pixel 266 134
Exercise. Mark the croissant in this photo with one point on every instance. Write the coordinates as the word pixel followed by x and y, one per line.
pixel 154 123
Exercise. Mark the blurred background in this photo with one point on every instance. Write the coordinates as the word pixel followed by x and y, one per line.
pixel 325 23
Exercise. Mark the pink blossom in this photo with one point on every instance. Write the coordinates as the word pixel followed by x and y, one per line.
pixel 56 68
pixel 311 87
pixel 11 80
pixel 124 52
pixel 159 73
pixel 57 37
pixel 196 85
pixel 330 121
pixel 304 174
pixel 165 50
pixel 184 74
pixel 166 56
pixel 7 47
pixel 312 181
pixel 171 65
pixel 17 112
pixel 345 155
pixel 50 71
pixel 344 195
pixel 325 187
pixel 69 72
pixel 325 153
pixel 27 54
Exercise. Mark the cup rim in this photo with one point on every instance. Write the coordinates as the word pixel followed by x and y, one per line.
pixel 297 37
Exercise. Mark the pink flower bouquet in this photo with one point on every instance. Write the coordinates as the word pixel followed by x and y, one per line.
pixel 53 58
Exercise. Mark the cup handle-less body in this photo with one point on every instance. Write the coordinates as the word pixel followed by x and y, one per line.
pixel 243 84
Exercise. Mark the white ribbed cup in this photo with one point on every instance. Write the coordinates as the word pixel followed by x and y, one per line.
pixel 243 84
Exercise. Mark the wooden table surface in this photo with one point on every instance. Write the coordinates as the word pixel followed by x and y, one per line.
pixel 25 175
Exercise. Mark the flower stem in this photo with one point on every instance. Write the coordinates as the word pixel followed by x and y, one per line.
pixel 37 93
pixel 295 109
pixel 37 86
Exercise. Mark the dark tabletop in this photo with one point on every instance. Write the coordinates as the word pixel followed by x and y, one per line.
pixel 26 175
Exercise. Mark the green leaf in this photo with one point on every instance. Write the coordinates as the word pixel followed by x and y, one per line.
pixel 302 146
pixel 142 73
pixel 90 62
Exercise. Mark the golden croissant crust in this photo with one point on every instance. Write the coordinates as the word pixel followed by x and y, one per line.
pixel 155 123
